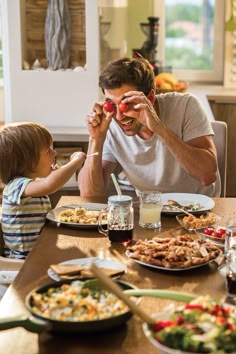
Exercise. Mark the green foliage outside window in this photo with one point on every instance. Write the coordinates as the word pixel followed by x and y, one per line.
pixel 187 57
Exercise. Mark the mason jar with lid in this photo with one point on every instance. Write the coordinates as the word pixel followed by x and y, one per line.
pixel 120 219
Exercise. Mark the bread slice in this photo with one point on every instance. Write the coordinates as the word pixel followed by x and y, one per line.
pixel 109 272
pixel 76 269
pixel 63 269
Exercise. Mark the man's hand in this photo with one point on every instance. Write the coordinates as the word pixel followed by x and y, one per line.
pixel 98 121
pixel 142 109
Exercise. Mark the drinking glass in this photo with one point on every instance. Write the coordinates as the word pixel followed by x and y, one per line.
pixel 231 274
pixel 150 209
pixel 230 238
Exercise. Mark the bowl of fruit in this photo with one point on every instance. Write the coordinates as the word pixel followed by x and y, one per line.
pixel 167 82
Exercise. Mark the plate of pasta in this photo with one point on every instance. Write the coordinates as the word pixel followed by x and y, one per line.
pixel 84 215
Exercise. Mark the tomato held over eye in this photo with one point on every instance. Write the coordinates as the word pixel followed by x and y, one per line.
pixel 108 106
pixel 123 107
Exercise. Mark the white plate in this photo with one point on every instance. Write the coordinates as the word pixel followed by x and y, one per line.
pixel 100 262
pixel 53 215
pixel 165 268
pixel 206 202
pixel 8 276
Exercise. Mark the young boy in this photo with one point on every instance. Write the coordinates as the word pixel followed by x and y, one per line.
pixel 26 168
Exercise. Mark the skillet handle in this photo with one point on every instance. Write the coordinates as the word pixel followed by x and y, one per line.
pixel 30 323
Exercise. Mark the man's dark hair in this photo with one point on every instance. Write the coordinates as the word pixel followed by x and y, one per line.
pixel 132 71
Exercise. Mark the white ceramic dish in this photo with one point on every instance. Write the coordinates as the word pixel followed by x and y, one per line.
pixel 210 224
pixel 8 276
pixel 100 262
pixel 53 215
pixel 206 202
pixel 165 268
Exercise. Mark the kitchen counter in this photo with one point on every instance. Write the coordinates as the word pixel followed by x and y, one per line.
pixel 212 93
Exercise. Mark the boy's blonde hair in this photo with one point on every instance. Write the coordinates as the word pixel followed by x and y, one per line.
pixel 20 147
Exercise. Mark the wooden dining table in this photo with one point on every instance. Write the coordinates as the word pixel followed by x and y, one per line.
pixel 59 243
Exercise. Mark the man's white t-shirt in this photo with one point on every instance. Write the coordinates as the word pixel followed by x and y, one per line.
pixel 148 164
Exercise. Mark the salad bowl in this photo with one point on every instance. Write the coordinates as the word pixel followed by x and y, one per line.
pixel 201 326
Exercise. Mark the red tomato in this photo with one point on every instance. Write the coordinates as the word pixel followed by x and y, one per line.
pixel 208 231
pixel 221 232
pixel 216 234
pixel 108 106
pixel 123 107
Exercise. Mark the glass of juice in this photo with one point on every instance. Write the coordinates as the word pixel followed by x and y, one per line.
pixel 150 209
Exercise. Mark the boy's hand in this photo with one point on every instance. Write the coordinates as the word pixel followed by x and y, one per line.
pixel 78 155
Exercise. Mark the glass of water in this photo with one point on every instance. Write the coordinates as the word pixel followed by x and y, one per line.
pixel 230 238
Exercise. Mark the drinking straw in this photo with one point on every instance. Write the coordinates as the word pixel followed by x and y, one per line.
pixel 119 194
pixel 116 184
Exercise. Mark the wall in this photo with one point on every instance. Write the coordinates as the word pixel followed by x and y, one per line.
pixel 1 105
pixel 53 98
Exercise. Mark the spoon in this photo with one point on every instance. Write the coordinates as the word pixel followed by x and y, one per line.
pixel 93 154
pixel 182 210
pixel 115 289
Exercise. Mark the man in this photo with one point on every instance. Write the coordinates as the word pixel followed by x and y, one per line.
pixel 161 142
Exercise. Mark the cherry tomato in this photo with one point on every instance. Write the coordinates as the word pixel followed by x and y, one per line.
pixel 221 232
pixel 208 231
pixel 123 107
pixel 108 106
pixel 216 234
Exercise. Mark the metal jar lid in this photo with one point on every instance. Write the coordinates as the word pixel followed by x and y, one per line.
pixel 120 200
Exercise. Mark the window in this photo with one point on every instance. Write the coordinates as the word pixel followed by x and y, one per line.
pixel 192 38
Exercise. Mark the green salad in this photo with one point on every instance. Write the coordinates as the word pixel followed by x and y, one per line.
pixel 201 326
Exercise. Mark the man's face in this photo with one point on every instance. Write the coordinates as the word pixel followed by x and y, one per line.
pixel 130 126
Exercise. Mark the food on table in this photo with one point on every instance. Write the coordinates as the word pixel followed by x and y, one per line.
pixel 168 82
pixel 198 222
pixel 73 302
pixel 174 252
pixel 108 106
pixel 215 234
pixel 189 207
pixel 201 326
pixel 78 270
pixel 81 216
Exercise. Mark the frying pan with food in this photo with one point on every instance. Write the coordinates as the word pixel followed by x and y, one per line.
pixel 37 323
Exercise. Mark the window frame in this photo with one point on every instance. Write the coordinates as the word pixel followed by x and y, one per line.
pixel 216 75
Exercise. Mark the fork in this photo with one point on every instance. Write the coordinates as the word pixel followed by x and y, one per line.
pixel 193 207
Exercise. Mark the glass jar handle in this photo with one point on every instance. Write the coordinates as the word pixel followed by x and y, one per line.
pixel 100 222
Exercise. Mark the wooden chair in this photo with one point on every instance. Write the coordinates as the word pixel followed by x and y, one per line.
pixel 220 139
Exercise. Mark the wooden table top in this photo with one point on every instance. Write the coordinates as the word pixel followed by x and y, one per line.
pixel 57 244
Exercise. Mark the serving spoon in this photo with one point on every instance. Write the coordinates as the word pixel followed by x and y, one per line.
pixel 124 295
pixel 115 289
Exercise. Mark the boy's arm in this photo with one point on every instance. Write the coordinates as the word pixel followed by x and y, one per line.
pixel 56 179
